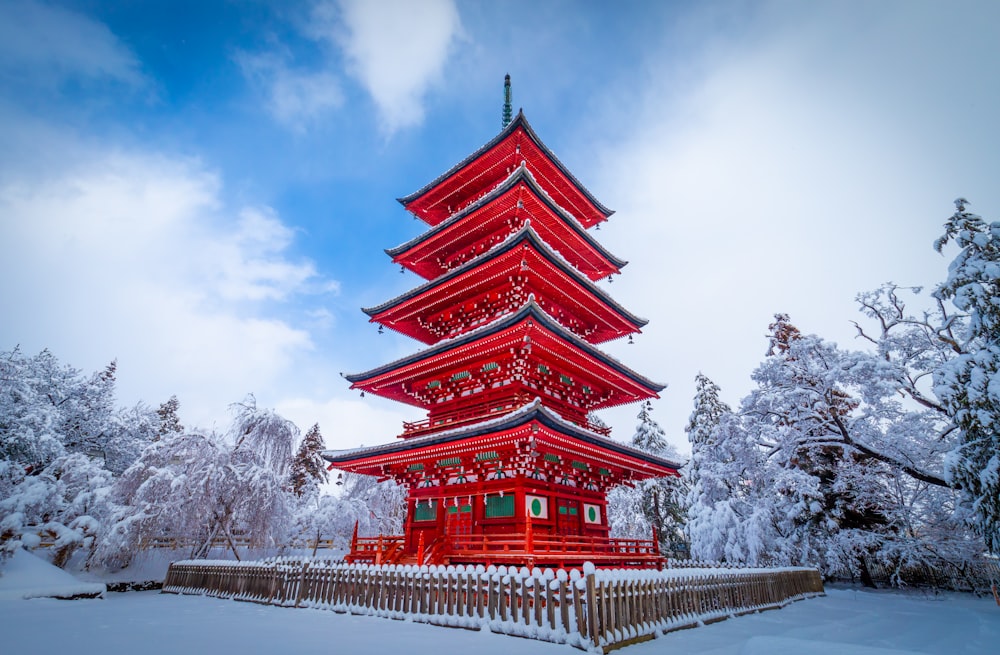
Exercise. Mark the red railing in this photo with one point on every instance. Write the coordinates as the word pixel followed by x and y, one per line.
pixel 535 544
pixel 513 548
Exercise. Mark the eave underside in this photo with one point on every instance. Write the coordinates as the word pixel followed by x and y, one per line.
pixel 527 352
pixel 490 221
pixel 500 282
pixel 534 445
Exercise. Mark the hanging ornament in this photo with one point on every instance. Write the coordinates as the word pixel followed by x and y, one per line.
pixel 380 329
pixel 630 342
pixel 402 269
pixel 362 394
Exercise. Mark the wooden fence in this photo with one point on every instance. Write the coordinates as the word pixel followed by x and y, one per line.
pixel 598 609
pixel 975 576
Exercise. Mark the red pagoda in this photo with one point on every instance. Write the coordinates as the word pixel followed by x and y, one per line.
pixel 506 468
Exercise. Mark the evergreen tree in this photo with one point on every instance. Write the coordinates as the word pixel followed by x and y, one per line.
pixel 308 468
pixel 170 423
pixel 661 499
pixel 969 384
pixel 705 491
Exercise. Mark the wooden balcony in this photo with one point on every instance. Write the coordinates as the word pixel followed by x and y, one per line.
pixel 514 549
pixel 488 407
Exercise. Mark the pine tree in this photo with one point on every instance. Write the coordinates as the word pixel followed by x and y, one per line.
pixel 704 491
pixel 661 499
pixel 170 423
pixel 308 469
pixel 969 384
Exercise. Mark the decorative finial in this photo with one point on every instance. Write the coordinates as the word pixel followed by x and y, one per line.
pixel 507 111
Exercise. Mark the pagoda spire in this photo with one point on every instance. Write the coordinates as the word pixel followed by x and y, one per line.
pixel 507 109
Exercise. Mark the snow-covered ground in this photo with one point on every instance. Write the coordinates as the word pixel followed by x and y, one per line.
pixel 846 621
pixel 25 576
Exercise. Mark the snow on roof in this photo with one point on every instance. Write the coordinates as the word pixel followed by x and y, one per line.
pixel 534 410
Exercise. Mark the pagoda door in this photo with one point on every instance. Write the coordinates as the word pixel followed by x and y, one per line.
pixel 567 517
pixel 459 521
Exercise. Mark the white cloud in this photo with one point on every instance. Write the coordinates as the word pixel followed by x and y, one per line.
pixel 396 49
pixel 349 422
pixel 792 165
pixel 295 98
pixel 46 45
pixel 132 256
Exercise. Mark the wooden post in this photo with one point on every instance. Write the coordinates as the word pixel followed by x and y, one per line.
pixel 529 541
pixel 592 619
pixel 420 549
pixel 354 539
pixel 378 551
pixel 302 584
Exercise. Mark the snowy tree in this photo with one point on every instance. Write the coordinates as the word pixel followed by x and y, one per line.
pixel 169 421
pixel 385 503
pixel 68 501
pixel 32 393
pixel 47 409
pixel 662 499
pixel 206 487
pixel 308 468
pixel 655 504
pixel 969 384
pixel 705 519
pixel 325 516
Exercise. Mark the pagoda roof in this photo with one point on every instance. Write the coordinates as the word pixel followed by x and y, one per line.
pixel 500 335
pixel 515 144
pixel 486 433
pixel 426 298
pixel 577 244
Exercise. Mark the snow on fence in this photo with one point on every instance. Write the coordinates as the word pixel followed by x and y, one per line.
pixel 596 609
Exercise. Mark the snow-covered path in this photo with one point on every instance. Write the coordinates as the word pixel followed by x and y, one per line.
pixel 845 622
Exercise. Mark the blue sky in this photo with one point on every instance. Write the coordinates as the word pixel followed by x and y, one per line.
pixel 203 190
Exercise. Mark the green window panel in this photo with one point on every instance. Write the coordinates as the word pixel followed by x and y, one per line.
pixel 425 511
pixel 549 457
pixel 579 465
pixel 487 455
pixel 499 506
pixel 415 467
pixel 449 461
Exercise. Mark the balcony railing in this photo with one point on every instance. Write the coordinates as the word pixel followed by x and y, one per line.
pixel 486 409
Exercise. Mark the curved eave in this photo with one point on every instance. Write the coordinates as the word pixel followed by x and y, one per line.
pixel 520 175
pixel 535 412
pixel 526 234
pixel 530 309
pixel 519 122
